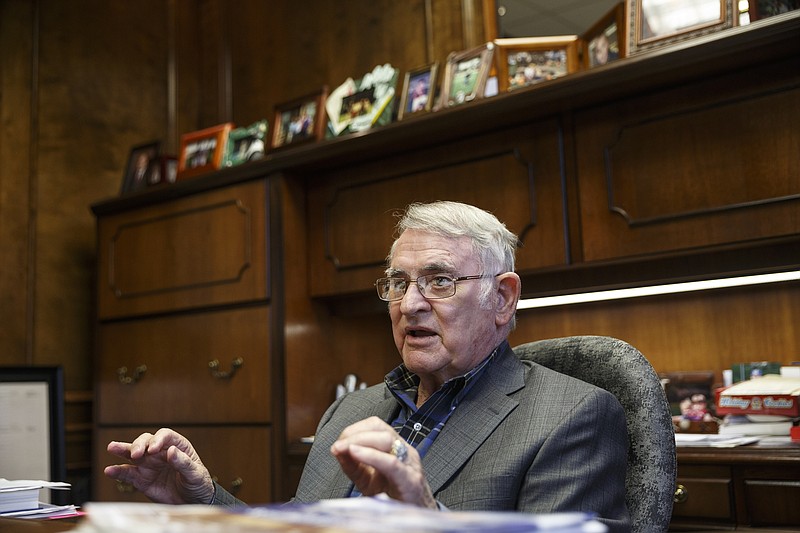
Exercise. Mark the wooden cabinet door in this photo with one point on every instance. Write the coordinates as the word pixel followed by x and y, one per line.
pixel 178 385
pixel 517 174
pixel 237 457
pixel 206 249
pixel 713 162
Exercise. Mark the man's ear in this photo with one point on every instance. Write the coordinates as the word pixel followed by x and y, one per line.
pixel 508 290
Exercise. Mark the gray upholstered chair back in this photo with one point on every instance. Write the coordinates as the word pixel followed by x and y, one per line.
pixel 621 369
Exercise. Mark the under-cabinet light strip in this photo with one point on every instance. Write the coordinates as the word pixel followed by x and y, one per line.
pixel 654 290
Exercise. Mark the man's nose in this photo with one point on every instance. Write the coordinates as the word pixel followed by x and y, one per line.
pixel 413 299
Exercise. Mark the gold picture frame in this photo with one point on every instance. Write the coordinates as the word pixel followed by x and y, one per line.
pixel 419 91
pixel 526 61
pixel 654 25
pixel 465 75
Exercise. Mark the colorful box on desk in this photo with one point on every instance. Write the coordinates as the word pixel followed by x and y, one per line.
pixel 765 395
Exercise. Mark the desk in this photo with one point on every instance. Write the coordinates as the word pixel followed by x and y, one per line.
pixel 16 525
pixel 756 486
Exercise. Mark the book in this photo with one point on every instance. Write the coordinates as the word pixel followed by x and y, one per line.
pixel 756 428
pixel 23 494
pixel 765 395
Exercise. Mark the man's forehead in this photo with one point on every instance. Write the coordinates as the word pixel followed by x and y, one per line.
pixel 419 251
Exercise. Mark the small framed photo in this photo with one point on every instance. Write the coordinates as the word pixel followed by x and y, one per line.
pixel 300 121
pixel 138 166
pixel 526 61
pixel 419 91
pixel 604 42
pixel 163 170
pixel 657 23
pixel 246 144
pixel 465 75
pixel 203 151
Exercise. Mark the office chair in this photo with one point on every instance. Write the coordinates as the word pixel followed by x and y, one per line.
pixel 621 369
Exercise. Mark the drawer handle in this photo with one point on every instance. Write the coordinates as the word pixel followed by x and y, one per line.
pixel 125 379
pixel 681 494
pixel 236 364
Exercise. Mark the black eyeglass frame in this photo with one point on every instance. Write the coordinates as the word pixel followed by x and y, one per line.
pixel 410 281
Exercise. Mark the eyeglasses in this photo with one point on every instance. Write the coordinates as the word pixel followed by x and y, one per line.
pixel 432 286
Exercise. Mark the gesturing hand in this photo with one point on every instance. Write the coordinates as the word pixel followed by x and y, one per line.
pixel 364 451
pixel 164 467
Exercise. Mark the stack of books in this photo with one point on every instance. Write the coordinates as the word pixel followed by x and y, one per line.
pixel 755 425
pixel 20 499
pixel 766 405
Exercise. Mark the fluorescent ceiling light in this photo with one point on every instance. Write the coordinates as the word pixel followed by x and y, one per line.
pixel 654 290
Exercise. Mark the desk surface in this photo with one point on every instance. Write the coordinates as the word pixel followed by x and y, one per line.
pixel 16 525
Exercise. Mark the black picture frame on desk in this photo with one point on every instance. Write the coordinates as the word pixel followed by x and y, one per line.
pixel 35 396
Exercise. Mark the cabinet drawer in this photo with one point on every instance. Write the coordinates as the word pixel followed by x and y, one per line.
pixel 238 458
pixel 178 385
pixel 771 494
pixel 206 249
pixel 515 174
pixel 704 164
pixel 707 494
pixel 705 498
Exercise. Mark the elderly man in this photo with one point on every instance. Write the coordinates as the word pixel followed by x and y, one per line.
pixel 462 423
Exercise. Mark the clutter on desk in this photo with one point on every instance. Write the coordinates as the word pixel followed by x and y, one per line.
pixel 21 499
pixel 366 514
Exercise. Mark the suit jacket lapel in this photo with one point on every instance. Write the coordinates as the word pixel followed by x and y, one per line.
pixel 476 417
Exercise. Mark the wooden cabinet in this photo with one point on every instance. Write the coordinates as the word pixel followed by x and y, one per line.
pixel 751 486
pixel 516 173
pixel 183 334
pixel 710 162
pixel 201 250
pixel 203 368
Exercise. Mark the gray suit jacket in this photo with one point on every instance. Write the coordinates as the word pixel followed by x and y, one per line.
pixel 525 438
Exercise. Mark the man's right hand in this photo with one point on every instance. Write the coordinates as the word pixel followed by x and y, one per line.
pixel 164 467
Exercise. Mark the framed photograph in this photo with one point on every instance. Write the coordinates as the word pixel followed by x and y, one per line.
pixel 136 170
pixel 163 170
pixel 522 62
pixel 419 91
pixel 656 23
pixel 300 121
pixel 32 431
pixel 465 75
pixel 246 144
pixel 203 151
pixel 604 42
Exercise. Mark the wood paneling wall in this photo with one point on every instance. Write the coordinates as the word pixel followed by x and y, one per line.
pixel 82 82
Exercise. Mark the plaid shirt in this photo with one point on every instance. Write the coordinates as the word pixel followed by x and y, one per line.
pixel 420 426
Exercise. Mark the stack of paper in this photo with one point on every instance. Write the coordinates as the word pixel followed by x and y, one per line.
pixel 21 498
